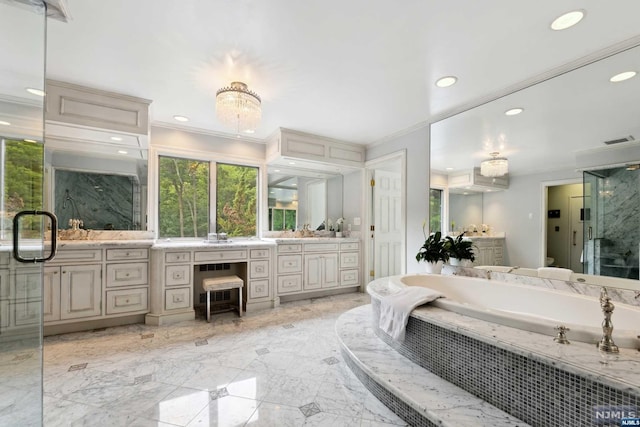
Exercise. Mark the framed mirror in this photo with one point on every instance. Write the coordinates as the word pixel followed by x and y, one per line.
pixel 302 196
pixel 106 191
pixel 580 121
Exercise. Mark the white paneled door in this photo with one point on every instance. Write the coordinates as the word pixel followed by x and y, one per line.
pixel 388 229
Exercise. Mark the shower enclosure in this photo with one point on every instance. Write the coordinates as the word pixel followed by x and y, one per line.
pixel 612 221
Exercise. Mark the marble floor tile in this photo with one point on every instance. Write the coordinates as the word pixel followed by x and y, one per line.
pixel 166 380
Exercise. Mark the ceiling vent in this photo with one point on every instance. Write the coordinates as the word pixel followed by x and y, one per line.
pixel 619 140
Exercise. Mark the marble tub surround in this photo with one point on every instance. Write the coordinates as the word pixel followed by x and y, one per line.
pixel 617 294
pixel 280 367
pixel 525 373
pixel 417 395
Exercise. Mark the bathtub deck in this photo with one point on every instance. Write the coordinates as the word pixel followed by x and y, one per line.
pixel 414 393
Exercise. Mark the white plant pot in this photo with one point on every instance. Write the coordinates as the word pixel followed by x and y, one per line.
pixel 456 262
pixel 433 267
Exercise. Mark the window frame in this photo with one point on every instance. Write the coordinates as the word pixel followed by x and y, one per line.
pixel 213 158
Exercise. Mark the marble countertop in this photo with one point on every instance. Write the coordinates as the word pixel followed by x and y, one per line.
pixel 311 239
pixel 204 244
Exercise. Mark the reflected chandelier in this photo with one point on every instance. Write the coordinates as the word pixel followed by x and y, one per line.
pixel 238 108
pixel 495 166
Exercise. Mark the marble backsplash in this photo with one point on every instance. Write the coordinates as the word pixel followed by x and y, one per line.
pixel 104 235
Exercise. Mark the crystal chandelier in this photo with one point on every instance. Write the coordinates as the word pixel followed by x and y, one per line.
pixel 495 166
pixel 238 108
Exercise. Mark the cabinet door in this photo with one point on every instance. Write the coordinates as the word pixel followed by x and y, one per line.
pixel 312 272
pixel 80 291
pixel 330 277
pixel 51 291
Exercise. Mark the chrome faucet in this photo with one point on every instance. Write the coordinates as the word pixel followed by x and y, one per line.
pixel 606 344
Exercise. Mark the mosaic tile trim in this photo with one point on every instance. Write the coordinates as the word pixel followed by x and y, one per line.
pixel 146 336
pixel 77 367
pixel 201 342
pixel 331 360
pixel 536 393
pixel 390 400
pixel 310 409
pixel 288 326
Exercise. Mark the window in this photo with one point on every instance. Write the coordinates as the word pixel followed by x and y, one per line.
pixel 185 206
pixel 435 210
pixel 237 200
pixel 282 219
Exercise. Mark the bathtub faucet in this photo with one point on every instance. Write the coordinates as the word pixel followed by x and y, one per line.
pixel 606 344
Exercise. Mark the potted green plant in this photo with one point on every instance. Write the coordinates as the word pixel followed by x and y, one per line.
pixel 433 252
pixel 460 250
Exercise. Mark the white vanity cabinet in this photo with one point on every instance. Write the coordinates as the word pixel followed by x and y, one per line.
pixel 488 251
pixel 99 285
pixel 312 265
pixel 178 268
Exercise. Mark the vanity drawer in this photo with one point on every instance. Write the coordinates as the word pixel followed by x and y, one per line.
pixel 214 256
pixel 176 275
pixel 177 298
pixel 349 259
pixel 350 246
pixel 125 254
pixel 259 253
pixel 288 284
pixel 170 257
pixel 320 247
pixel 126 300
pixel 258 289
pixel 289 264
pixel 129 274
pixel 289 247
pixel 78 255
pixel 349 277
pixel 259 269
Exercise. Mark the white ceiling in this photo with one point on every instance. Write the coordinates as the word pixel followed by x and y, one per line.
pixel 356 70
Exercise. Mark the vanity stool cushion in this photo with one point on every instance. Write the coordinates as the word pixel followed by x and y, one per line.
pixel 222 283
pixel 212 284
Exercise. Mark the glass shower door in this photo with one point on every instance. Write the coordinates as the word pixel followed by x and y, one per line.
pixel 22 71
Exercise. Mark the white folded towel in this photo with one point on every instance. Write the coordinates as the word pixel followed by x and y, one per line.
pixel 395 309
pixel 555 273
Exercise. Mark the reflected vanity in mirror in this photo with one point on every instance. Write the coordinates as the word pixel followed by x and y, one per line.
pixel 572 129
pixel 301 196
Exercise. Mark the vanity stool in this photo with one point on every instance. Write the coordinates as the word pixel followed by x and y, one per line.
pixel 213 284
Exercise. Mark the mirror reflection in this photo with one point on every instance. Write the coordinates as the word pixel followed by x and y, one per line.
pixel 573 174
pixel 301 196
pixel 104 192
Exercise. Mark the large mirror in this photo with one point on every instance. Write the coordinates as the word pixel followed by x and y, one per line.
pixel 302 196
pixel 578 121
pixel 101 184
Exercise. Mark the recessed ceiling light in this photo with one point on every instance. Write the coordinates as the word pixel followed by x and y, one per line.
pixel 249 131
pixel 116 138
pixel 622 76
pixel 292 163
pixel 514 111
pixel 30 140
pixel 449 169
pixel 3 123
pixel 122 152
pixel 567 20
pixel 277 170
pixel 181 118
pixel 294 184
pixel 35 91
pixel 446 81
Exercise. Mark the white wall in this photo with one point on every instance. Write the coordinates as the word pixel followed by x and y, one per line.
pixel 352 203
pixel 517 212
pixel 416 144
